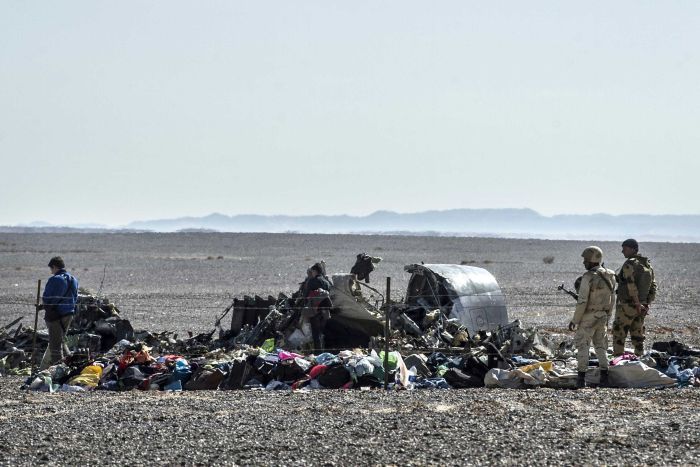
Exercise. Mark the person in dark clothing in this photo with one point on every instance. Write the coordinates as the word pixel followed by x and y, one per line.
pixel 364 265
pixel 316 279
pixel 316 290
pixel 59 300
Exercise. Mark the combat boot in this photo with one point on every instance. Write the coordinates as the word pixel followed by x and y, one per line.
pixel 604 383
pixel 581 380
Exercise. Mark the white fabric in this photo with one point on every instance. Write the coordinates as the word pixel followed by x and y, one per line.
pixel 637 375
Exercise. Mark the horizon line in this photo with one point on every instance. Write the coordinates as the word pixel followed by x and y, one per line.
pixel 91 224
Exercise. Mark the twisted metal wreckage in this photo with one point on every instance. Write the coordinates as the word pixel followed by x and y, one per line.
pixel 445 306
pixel 455 313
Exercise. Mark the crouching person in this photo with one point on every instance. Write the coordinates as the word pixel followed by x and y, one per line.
pixel 59 299
pixel 593 310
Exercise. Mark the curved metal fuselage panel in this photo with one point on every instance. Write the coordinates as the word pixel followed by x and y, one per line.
pixel 477 300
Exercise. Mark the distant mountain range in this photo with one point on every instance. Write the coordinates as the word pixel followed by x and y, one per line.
pixel 510 223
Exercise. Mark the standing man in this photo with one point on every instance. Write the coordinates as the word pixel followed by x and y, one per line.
pixel 635 293
pixel 316 290
pixel 593 310
pixel 59 299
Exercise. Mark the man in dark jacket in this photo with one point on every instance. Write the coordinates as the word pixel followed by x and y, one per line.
pixel 59 299
pixel 316 279
pixel 316 290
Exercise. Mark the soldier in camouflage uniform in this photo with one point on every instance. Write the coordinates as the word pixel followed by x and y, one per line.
pixel 636 291
pixel 593 311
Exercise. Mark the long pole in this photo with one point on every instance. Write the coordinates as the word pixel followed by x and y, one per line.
pixel 36 322
pixel 386 333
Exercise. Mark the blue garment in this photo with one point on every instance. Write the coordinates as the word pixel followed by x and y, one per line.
pixel 519 360
pixel 56 292
pixel 182 372
pixel 325 358
pixel 674 369
pixel 431 383
pixel 686 377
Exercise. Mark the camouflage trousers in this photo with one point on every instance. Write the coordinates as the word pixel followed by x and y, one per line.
pixel 593 327
pixel 628 320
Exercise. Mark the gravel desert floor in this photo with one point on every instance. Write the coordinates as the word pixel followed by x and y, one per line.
pixel 181 282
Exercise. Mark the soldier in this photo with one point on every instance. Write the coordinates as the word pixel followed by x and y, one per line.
pixel 593 310
pixel 635 293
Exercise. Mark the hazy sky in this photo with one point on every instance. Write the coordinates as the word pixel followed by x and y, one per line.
pixel 119 111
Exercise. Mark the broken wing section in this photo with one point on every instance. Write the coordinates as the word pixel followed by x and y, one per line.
pixel 352 310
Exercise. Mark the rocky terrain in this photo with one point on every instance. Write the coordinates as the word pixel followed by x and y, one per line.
pixel 183 281
pixel 440 427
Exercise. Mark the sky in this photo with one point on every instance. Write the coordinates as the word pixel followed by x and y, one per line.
pixel 118 111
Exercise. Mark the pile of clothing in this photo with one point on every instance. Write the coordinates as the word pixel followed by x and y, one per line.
pixel 130 366
pixel 135 365
pixel 668 364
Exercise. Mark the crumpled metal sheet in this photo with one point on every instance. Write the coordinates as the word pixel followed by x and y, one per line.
pixel 353 309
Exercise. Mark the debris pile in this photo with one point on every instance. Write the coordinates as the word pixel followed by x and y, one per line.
pixel 135 365
pixel 450 332
pixel 162 362
pixel 96 327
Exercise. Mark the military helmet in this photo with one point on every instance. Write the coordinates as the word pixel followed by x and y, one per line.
pixel 593 254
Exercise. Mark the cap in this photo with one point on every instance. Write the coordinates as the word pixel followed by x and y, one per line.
pixel 632 243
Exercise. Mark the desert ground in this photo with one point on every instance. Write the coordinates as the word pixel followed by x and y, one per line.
pixel 182 282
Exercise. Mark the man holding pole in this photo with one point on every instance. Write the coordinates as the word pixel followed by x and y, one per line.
pixel 59 299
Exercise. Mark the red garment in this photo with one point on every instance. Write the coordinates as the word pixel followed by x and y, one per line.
pixel 317 371
pixel 318 298
pixel 172 358
pixel 125 361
